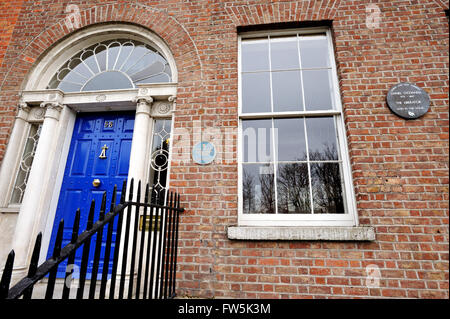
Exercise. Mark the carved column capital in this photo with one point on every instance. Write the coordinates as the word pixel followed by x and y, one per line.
pixel 144 104
pixel 24 106
pixel 52 109
pixel 23 109
pixel 143 99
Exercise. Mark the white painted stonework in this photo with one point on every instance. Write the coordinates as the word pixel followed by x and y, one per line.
pixel 20 224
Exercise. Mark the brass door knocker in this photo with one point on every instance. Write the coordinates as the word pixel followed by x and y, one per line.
pixel 103 153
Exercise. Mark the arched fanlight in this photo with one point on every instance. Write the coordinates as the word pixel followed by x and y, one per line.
pixel 113 64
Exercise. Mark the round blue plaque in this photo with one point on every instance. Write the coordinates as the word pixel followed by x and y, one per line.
pixel 203 153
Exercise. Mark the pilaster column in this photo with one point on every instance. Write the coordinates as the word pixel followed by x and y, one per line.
pixel 141 135
pixel 25 232
pixel 138 165
pixel 13 152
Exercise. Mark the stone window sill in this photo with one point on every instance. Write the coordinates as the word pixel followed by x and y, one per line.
pixel 10 210
pixel 337 233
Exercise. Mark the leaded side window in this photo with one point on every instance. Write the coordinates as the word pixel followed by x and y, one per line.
pixel 159 160
pixel 293 157
pixel 113 64
pixel 25 163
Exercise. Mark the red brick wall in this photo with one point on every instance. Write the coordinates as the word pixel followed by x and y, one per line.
pixel 400 168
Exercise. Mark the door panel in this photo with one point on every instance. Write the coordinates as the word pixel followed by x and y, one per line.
pixel 96 135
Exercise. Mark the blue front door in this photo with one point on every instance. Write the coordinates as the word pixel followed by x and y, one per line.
pixel 99 150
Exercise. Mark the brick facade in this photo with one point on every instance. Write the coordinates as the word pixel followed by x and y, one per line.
pixel 400 168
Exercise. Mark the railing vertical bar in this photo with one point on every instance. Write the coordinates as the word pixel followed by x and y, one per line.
pixel 98 247
pixel 56 252
pixel 172 248
pixel 149 242
pixel 141 250
pixel 177 221
pixel 158 243
pixel 135 231
pixel 71 259
pixel 33 265
pixel 117 243
pixel 6 277
pixel 85 254
pixel 108 248
pixel 160 252
pixel 167 244
pixel 125 243
pixel 153 259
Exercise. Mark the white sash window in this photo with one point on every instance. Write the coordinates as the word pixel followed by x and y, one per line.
pixel 293 158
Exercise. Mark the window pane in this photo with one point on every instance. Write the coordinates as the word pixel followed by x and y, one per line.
pixel 135 56
pixel 290 139
pixel 68 87
pixel 256 92
pixel 79 67
pixel 293 189
pixel 255 55
pixel 322 142
pixel 109 80
pixel 257 140
pixel 284 53
pixel 287 91
pixel 258 189
pixel 327 188
pixel 100 54
pixel 314 51
pixel 317 85
pixel 113 53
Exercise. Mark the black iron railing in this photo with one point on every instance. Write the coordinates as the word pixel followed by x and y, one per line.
pixel 147 256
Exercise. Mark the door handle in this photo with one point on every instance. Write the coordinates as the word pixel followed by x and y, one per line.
pixel 96 182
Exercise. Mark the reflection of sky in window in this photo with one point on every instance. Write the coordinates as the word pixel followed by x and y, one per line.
pixel 321 137
pixel 255 55
pixel 257 137
pixel 281 82
pixel 284 53
pixel 290 142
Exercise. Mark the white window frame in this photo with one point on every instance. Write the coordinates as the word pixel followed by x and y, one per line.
pixel 6 205
pixel 348 219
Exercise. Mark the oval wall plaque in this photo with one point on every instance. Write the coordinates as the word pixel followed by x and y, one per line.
pixel 408 101
pixel 203 153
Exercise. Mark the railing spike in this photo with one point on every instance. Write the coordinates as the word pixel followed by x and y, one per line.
pixel 90 220
pixel 102 207
pixel 113 199
pixel 123 192
pixel 33 264
pixel 54 270
pixel 6 277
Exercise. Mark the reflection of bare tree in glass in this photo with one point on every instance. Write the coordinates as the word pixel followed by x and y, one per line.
pixel 248 193
pixel 267 193
pixel 293 189
pixel 327 187
pixel 258 191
